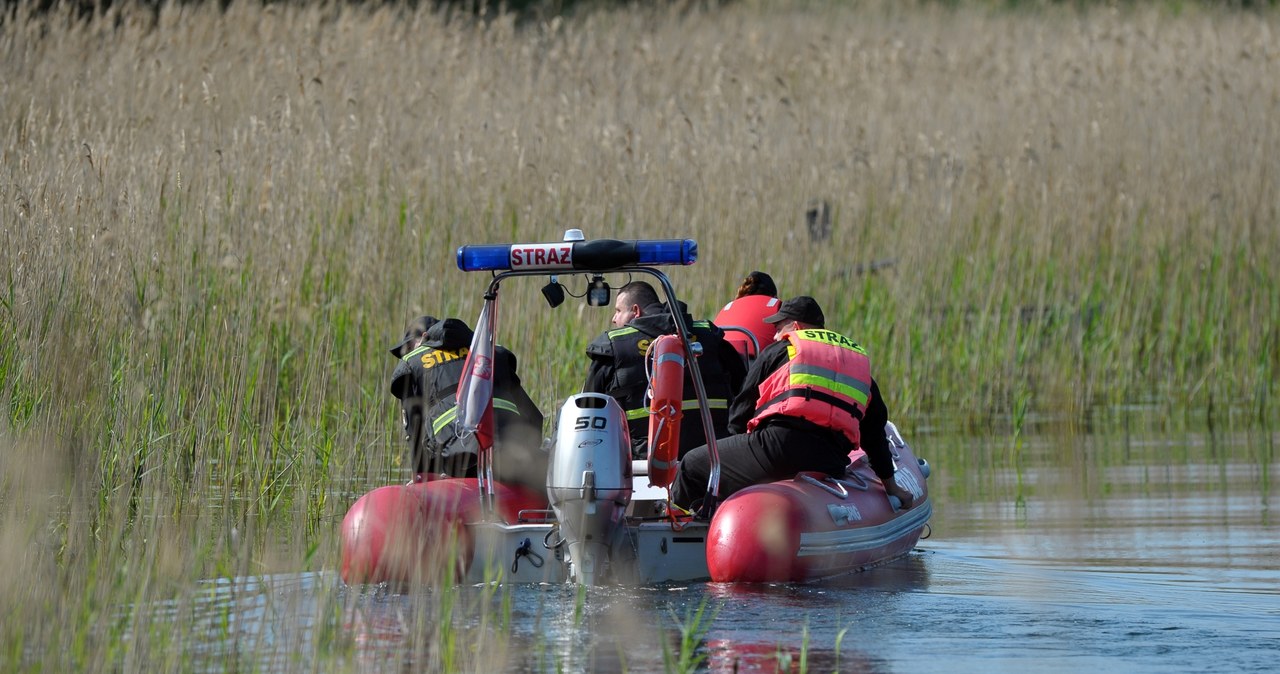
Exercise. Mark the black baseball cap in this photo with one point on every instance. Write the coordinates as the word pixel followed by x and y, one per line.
pixel 414 330
pixel 801 308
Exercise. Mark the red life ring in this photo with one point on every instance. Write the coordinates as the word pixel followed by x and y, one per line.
pixel 666 393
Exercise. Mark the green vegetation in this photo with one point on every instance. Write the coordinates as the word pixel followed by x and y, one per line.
pixel 686 656
pixel 213 225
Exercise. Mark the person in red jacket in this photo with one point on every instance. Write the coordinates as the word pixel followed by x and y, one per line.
pixel 757 299
pixel 807 401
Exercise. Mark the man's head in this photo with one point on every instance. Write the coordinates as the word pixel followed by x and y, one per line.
pixel 797 313
pixel 448 334
pixel 632 299
pixel 413 335
pixel 758 283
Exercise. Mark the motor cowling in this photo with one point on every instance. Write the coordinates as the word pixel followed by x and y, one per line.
pixel 589 480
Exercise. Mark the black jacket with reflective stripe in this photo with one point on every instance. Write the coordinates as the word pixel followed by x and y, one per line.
pixel 618 369
pixel 426 382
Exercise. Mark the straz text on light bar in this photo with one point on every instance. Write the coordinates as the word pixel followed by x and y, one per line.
pixel 542 256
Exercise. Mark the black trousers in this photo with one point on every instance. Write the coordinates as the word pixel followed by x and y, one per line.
pixel 771 452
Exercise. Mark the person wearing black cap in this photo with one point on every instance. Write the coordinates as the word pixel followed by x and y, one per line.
pixel 807 402
pixel 618 366
pixel 757 298
pixel 413 335
pixel 426 383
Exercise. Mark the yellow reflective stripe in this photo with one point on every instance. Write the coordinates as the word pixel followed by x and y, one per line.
pixel 621 332
pixel 685 405
pixel 444 419
pixel 838 378
pixel 450 414
pixel 415 352
pixel 799 380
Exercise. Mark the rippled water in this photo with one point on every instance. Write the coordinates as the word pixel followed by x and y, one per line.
pixel 1159 566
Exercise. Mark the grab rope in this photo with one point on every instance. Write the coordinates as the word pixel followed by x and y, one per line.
pixel 526 550
pixel 855 481
pixel 835 488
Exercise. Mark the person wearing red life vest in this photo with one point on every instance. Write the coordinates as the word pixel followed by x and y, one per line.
pixel 807 401
pixel 757 299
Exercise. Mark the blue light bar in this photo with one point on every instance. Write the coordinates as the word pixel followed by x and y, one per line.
pixel 597 255
pixel 667 251
pixel 484 258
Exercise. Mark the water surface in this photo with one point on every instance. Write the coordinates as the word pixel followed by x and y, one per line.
pixel 1123 557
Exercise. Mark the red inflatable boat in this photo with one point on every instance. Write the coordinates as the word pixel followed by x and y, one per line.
pixel 603 518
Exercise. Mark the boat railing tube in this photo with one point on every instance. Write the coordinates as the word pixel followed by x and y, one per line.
pixel 598 255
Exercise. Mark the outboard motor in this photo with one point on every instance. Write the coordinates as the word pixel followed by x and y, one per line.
pixel 589 481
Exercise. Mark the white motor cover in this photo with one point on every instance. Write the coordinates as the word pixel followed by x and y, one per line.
pixel 589 480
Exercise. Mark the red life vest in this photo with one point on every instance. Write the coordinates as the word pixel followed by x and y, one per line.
pixel 827 381
pixel 748 312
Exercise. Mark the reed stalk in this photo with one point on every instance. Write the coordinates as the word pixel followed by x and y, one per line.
pixel 214 223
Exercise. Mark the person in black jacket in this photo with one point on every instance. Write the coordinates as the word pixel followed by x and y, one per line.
pixel 426 383
pixel 618 366
pixel 413 335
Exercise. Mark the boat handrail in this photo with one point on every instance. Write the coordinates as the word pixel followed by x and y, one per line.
pixel 841 486
pixel 861 482
pixel 838 490
pixel 535 515
pixel 751 337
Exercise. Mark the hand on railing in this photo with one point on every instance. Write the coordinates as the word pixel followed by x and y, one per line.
pixel 899 498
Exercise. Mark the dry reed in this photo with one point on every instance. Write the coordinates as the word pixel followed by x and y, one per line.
pixel 213 225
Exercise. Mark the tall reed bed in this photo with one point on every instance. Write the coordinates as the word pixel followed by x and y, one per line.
pixel 213 225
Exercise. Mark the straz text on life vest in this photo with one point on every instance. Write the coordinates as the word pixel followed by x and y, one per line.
pixel 829 337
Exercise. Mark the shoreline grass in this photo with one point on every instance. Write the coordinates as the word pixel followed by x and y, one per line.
pixel 214 225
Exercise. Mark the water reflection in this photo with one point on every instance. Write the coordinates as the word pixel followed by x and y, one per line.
pixel 740 628
pixel 265 623
pixel 815 627
pixel 381 627
pixel 1138 555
